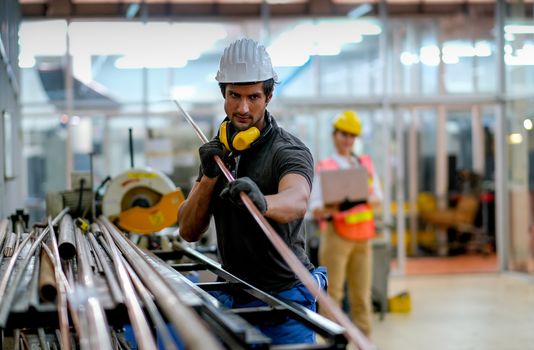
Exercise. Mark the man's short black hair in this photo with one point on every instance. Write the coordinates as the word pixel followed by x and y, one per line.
pixel 268 86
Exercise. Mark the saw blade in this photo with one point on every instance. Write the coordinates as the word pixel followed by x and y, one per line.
pixel 140 196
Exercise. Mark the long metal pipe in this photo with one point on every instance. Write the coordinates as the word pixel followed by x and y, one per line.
pixel 331 308
pixel 61 301
pixel 66 240
pixel 99 335
pixel 143 334
pixel 113 284
pixel 11 244
pixel 4 224
pixel 47 278
pixel 7 295
pixel 19 229
pixel 190 328
pixel 63 284
pixel 155 315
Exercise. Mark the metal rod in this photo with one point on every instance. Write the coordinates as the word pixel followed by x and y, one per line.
pixel 142 332
pixel 93 202
pixel 63 284
pixel 110 276
pixel 16 339
pixel 42 339
pixel 130 144
pixel 4 224
pixel 331 308
pixel 61 297
pixel 7 295
pixel 204 139
pixel 11 243
pixel 99 336
pixel 190 328
pixel 33 285
pixel 66 240
pixel 47 278
pixel 19 229
pixel 151 307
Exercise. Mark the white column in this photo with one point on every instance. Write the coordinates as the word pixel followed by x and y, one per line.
pixel 442 173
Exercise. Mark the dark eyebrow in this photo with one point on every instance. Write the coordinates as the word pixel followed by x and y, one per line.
pixel 230 91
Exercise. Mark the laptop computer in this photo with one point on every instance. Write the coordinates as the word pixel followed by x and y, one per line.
pixel 344 184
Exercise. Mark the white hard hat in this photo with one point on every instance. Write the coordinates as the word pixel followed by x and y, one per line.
pixel 245 61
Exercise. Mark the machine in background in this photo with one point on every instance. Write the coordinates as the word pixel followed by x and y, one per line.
pixel 141 201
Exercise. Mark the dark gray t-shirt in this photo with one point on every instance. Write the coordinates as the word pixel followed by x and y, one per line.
pixel 244 250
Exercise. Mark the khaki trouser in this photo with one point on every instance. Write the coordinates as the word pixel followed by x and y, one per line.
pixel 350 260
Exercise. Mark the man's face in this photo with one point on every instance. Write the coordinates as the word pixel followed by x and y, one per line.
pixel 245 105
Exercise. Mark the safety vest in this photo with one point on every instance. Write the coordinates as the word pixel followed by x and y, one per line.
pixel 357 223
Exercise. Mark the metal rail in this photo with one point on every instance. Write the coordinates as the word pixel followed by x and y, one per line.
pixel 66 240
pixel 186 322
pixel 64 285
pixel 6 296
pixel 151 307
pixel 99 336
pixel 143 335
pixel 108 273
pixel 331 308
pixel 61 301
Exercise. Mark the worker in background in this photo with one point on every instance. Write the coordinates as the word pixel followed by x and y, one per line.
pixel 347 227
pixel 275 169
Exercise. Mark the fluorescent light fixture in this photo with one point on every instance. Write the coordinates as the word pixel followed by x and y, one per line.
pixel 31 41
pixel 149 60
pixel 325 38
pixel 430 55
pixel 450 59
pixel 519 29
pixel 508 49
pixel 452 51
pixel 150 45
pixel 183 92
pixel 408 58
pixel 527 124
pixel 482 48
pixel 26 61
pixel 523 57
pixel 509 37
pixel 515 138
pixel 75 120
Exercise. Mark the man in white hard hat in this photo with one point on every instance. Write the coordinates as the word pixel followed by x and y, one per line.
pixel 275 169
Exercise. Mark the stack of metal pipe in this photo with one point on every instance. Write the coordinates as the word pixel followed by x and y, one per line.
pixel 70 284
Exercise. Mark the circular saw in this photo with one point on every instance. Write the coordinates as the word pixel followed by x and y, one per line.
pixel 142 201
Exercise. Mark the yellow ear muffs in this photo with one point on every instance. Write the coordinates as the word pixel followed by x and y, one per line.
pixel 243 139
pixel 222 136
pixel 239 141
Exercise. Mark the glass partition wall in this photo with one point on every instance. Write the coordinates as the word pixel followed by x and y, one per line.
pixel 425 89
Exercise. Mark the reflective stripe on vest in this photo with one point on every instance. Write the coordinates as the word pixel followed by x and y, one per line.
pixel 357 222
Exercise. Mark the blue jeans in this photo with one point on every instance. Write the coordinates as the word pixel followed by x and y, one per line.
pixel 290 331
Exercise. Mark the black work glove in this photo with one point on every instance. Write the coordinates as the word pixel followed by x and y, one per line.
pixel 244 184
pixel 207 151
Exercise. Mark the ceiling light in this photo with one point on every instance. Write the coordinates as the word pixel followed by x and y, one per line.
pixel 527 124
pixel 515 138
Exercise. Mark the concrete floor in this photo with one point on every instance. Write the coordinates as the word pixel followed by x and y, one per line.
pixel 460 312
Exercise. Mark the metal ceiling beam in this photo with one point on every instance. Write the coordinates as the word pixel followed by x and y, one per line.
pixel 194 9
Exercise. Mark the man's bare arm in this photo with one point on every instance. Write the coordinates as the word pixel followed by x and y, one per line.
pixel 291 201
pixel 194 215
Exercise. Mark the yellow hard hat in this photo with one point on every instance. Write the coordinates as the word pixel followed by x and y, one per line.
pixel 348 121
